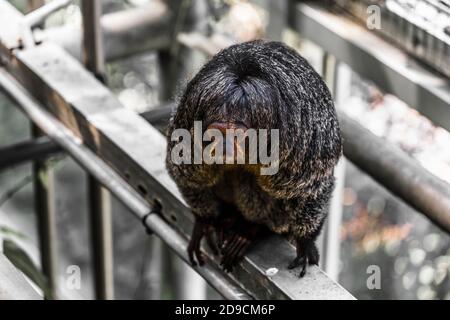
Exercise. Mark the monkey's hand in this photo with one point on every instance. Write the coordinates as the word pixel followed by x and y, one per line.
pixel 202 228
pixel 237 241
pixel 306 254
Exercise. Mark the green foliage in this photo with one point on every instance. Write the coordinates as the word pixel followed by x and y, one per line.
pixel 11 232
pixel 20 259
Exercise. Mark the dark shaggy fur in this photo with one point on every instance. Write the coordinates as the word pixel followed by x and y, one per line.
pixel 263 85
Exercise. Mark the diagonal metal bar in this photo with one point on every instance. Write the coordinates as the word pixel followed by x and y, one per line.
pixel 115 183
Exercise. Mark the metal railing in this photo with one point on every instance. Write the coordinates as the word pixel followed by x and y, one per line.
pixel 126 154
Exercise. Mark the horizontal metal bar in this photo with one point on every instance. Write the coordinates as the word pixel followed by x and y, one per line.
pixel 114 183
pixel 159 116
pixel 375 59
pixel 35 149
pixel 397 171
pixel 39 15
pixel 13 285
pixel 43 147
pixel 125 33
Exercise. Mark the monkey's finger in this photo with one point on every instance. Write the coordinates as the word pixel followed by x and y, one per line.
pixel 190 251
pixel 303 271
pixel 238 251
pixel 220 237
pixel 232 237
pixel 242 250
pixel 211 244
pixel 194 246
pixel 229 242
pixel 224 262
pixel 199 255
pixel 231 247
pixel 296 262
pixel 313 255
pixel 229 255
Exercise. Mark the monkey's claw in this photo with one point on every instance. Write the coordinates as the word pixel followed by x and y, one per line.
pixel 224 225
pixel 307 254
pixel 237 243
pixel 212 244
pixel 201 229
pixel 233 250
pixel 299 262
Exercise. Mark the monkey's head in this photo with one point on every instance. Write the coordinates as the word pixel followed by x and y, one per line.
pixel 260 85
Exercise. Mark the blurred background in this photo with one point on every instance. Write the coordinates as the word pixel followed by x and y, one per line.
pixel 374 227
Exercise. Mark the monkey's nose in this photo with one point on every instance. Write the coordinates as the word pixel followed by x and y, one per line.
pixel 224 126
pixel 232 148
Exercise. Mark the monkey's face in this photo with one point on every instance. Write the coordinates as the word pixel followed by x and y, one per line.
pixel 227 139
pixel 234 101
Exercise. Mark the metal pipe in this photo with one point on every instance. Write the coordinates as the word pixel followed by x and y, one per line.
pixel 113 182
pixel 98 197
pixel 43 147
pixel 101 237
pixel 331 232
pixel 44 204
pixel 93 53
pixel 397 172
pixel 160 114
pixel 38 16
pixel 125 33
pixel 35 149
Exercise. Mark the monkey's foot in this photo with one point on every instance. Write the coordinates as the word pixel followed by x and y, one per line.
pixel 307 254
pixel 237 243
pixel 202 228
pixel 224 225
